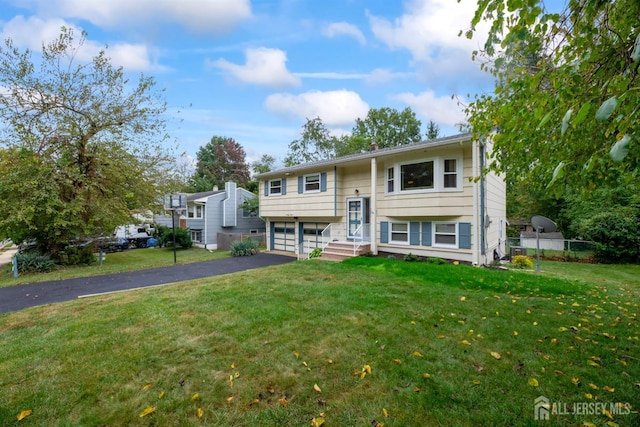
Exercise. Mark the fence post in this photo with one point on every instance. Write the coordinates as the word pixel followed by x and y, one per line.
pixel 15 266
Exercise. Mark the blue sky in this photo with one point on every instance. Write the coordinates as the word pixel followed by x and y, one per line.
pixel 255 70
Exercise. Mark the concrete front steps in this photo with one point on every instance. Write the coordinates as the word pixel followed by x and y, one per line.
pixel 337 251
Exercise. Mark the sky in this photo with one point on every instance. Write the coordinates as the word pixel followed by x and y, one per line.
pixel 256 70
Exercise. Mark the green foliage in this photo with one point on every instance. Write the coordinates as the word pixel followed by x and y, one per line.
pixel 78 255
pixel 521 261
pixel 251 205
pixel 165 237
pixel 82 153
pixel 436 261
pixel 616 237
pixel 565 101
pixel 219 161
pixel 411 257
pixel 433 130
pixel 245 247
pixel 34 262
pixel 387 127
pixel 315 253
pixel 315 143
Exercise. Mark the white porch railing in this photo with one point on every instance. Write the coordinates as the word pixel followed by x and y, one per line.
pixel 361 235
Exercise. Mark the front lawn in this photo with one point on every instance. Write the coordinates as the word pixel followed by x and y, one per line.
pixel 117 262
pixel 366 342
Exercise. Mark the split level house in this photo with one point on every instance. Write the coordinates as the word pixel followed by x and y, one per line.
pixel 429 199
pixel 218 211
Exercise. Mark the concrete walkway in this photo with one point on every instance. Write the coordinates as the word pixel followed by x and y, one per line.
pixel 19 297
pixel 6 255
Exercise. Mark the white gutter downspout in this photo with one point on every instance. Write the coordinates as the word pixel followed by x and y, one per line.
pixel 373 235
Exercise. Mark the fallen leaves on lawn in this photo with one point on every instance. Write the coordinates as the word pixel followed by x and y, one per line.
pixel 200 412
pixel 317 421
pixel 24 414
pixel 148 410
pixel 496 355
pixel 533 382
pixel 317 389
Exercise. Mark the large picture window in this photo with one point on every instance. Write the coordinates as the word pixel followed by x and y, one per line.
pixel 275 187
pixel 445 234
pixel 417 176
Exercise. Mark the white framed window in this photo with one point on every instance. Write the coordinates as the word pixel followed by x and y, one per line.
pixel 195 211
pixel 399 232
pixel 312 183
pixel 275 187
pixel 445 234
pixel 450 174
pixel 391 180
pixel 196 235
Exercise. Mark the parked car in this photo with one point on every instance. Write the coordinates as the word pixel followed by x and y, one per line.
pixel 115 244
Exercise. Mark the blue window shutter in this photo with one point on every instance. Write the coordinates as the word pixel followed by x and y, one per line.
pixel 300 184
pixel 266 188
pixel 464 235
pixel 384 232
pixel 284 186
pixel 323 181
pixel 414 233
pixel 300 232
pixel 426 233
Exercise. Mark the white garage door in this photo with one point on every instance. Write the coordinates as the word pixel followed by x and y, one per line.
pixel 283 236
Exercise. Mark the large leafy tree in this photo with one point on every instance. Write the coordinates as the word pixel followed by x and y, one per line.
pixel 219 161
pixel 564 113
pixel 315 143
pixel 387 127
pixel 80 145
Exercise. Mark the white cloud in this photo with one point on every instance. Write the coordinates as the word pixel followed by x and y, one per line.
pixel 337 29
pixel 264 66
pixel 335 108
pixel 427 28
pixel 442 110
pixel 210 17
pixel 32 32
pixel 383 75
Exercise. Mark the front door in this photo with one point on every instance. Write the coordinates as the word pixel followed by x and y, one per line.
pixel 357 217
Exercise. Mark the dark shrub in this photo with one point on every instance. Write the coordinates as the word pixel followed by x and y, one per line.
pixel 616 237
pixel 244 247
pixel 165 237
pixel 34 262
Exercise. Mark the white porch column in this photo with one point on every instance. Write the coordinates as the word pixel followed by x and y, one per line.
pixel 373 235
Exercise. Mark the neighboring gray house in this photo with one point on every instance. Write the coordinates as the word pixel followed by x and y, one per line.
pixel 217 211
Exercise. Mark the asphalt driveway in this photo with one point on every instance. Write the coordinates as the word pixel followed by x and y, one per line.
pixel 19 297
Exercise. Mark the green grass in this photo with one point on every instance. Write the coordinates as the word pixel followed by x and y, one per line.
pixel 253 345
pixel 118 262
